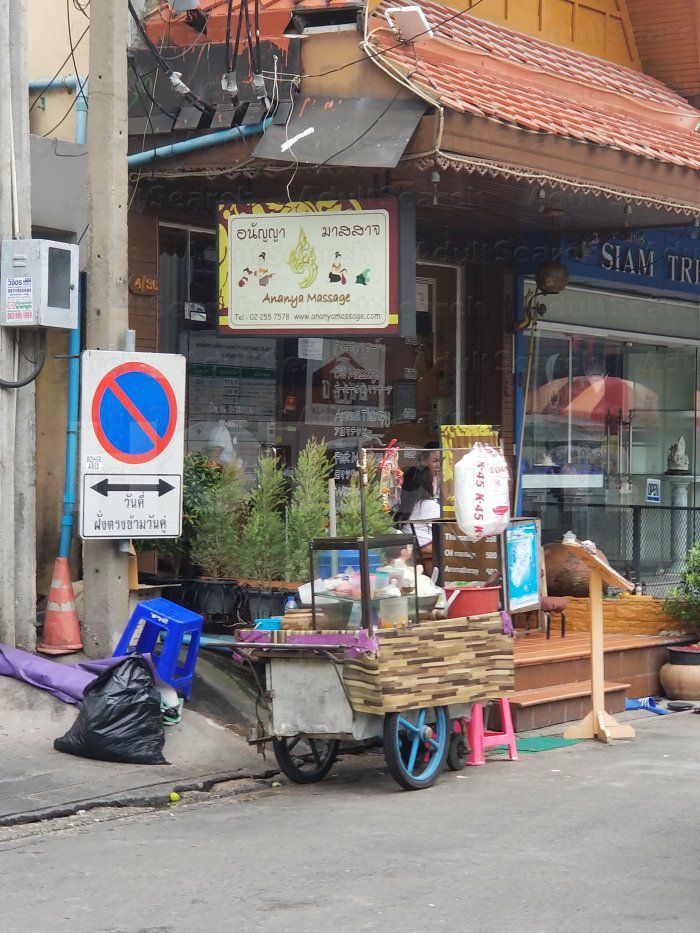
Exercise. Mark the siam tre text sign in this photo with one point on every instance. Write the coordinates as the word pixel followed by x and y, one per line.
pixel 322 267
pixel 131 444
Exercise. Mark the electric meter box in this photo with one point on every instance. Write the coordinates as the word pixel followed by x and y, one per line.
pixel 39 284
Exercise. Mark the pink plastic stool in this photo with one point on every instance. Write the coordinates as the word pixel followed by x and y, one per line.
pixel 480 739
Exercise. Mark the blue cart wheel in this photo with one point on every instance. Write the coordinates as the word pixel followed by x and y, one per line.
pixel 415 745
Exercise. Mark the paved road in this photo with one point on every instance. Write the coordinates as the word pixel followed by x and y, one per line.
pixel 587 838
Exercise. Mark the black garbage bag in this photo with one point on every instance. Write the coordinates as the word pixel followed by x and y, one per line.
pixel 119 718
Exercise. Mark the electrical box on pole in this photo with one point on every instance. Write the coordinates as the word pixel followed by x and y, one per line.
pixel 39 284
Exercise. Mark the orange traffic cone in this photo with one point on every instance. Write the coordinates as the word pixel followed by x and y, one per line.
pixel 61 626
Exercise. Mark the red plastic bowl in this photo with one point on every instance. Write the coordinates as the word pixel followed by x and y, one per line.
pixel 473 600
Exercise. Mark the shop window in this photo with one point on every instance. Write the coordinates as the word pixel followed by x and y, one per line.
pixel 244 393
pixel 188 270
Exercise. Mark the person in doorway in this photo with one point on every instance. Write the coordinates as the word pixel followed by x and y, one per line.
pixel 431 458
pixel 428 458
pixel 418 509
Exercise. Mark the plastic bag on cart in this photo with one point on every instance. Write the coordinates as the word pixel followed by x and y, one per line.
pixel 120 717
pixel 481 492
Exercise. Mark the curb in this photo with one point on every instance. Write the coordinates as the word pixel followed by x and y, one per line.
pixel 152 795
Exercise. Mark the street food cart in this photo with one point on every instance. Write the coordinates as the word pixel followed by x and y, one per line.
pixel 370 660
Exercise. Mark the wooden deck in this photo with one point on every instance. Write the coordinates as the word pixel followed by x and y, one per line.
pixel 534 648
pixel 552 677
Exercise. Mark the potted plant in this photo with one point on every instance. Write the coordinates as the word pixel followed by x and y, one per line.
pixel 199 476
pixel 307 516
pixel 680 677
pixel 216 546
pixel 378 520
pixel 263 544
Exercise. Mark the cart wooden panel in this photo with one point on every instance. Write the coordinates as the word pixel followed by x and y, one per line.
pixel 433 664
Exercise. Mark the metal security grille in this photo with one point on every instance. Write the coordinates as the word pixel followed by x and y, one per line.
pixel 647 543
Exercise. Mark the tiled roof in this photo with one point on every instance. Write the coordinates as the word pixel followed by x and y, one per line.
pixel 488 70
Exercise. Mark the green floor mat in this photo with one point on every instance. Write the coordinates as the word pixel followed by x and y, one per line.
pixel 539 743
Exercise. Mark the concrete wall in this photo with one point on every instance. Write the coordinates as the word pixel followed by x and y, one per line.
pixel 48 46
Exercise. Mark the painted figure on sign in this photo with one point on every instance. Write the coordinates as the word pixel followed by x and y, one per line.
pixel 337 273
pixel 263 273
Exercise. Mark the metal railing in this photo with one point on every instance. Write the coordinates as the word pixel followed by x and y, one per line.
pixel 646 543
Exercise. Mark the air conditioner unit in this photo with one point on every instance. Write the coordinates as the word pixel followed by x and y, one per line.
pixel 39 284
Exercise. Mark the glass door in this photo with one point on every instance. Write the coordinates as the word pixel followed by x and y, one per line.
pixel 610 448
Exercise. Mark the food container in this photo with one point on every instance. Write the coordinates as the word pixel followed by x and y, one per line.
pixel 392 612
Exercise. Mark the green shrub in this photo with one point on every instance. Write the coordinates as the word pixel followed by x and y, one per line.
pixel 307 517
pixel 217 540
pixel 199 477
pixel 350 512
pixel 684 601
pixel 263 548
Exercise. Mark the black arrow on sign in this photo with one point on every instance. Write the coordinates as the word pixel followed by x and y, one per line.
pixel 104 487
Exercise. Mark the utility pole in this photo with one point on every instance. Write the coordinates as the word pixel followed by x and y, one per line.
pixel 17 405
pixel 105 566
pixel 25 436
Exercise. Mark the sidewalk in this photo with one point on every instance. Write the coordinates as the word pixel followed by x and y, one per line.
pixel 37 782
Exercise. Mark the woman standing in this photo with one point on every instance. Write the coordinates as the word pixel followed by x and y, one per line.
pixel 418 509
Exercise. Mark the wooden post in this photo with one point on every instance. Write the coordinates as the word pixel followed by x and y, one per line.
pixel 598 724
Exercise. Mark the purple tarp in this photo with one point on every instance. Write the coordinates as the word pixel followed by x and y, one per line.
pixel 67 682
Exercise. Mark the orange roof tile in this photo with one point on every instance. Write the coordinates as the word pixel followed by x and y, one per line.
pixel 171 28
pixel 484 69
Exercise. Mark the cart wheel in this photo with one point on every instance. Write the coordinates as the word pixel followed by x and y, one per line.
pixel 415 745
pixel 457 753
pixel 303 760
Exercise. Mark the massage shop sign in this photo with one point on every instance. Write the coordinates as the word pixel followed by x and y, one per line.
pixel 323 267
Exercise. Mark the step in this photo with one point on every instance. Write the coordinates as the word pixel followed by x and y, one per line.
pixel 549 706
pixel 628 659
pixel 582 688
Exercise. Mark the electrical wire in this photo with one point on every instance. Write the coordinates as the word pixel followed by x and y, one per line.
pixel 364 132
pixel 248 32
pixel 149 95
pixel 141 101
pixel 229 17
pixel 256 13
pixel 82 7
pixel 389 48
pixel 38 366
pixel 192 98
pixel 81 90
pixel 65 115
pixel 63 64
pixel 143 138
pixel 286 139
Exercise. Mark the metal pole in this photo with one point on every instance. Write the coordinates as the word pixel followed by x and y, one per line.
pixel 521 440
pixel 332 524
pixel 366 599
pixel 105 567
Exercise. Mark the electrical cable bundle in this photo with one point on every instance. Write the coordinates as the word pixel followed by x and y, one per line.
pixel 228 81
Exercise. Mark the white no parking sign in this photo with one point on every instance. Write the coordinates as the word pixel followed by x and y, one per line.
pixel 131 444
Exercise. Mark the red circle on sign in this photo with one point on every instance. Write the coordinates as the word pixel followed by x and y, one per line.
pixel 108 382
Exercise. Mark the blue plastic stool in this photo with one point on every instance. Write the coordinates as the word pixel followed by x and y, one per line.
pixel 173 622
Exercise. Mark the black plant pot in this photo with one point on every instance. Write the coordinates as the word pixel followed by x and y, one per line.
pixel 680 655
pixel 261 603
pixel 217 601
